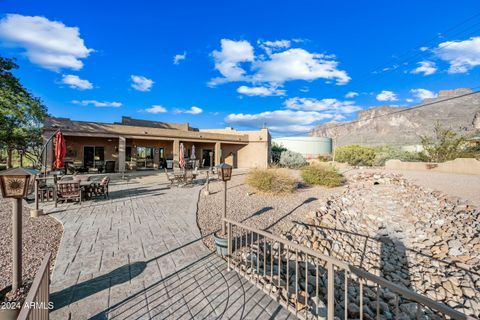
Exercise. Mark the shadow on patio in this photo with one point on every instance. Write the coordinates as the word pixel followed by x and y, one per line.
pixel 201 290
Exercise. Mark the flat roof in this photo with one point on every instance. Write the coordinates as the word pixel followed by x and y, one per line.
pixel 165 130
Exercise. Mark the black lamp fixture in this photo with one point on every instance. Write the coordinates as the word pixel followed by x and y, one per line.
pixel 224 171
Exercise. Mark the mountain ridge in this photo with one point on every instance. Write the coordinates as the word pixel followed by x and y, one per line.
pixel 405 128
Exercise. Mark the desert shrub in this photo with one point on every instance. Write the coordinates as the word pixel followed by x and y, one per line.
pixel 277 150
pixel 322 176
pixel 292 160
pixel 323 158
pixel 443 145
pixel 384 153
pixel 355 155
pixel 274 181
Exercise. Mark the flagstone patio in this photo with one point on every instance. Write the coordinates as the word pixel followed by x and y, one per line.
pixel 139 255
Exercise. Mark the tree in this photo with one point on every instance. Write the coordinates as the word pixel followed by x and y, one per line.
pixel 277 150
pixel 22 115
pixel 445 144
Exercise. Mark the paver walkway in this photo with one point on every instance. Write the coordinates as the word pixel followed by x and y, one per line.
pixel 139 255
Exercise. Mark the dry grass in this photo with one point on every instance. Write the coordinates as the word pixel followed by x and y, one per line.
pixel 271 181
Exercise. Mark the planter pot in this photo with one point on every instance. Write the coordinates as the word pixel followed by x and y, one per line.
pixel 221 244
pixel 9 314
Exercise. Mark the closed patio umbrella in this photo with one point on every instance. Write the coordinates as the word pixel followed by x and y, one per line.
pixel 181 161
pixel 60 151
pixel 193 152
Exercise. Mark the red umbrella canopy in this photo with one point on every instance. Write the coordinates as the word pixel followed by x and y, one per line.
pixel 60 150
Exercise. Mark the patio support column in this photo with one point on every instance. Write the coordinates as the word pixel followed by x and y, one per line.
pixel 121 154
pixel 218 153
pixel 176 152
pixel 48 155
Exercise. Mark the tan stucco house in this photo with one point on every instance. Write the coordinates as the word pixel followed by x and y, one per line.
pixel 134 144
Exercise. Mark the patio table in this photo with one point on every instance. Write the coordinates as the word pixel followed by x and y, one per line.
pixel 179 176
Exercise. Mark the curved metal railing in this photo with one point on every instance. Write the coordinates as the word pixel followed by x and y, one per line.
pixel 312 285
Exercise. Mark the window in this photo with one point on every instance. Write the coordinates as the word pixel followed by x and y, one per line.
pixel 93 156
pixel 128 153
pixel 145 153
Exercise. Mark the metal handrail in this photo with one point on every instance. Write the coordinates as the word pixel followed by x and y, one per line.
pixel 331 263
pixel 36 305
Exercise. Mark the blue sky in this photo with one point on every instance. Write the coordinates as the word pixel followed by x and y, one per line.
pixel 289 65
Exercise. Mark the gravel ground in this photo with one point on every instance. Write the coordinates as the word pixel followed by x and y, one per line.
pixel 277 212
pixel 40 235
pixel 274 213
pixel 463 186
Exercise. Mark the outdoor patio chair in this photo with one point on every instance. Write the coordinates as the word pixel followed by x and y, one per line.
pixel 45 192
pixel 195 172
pixel 109 166
pixel 170 178
pixel 189 178
pixel 69 190
pixel 101 189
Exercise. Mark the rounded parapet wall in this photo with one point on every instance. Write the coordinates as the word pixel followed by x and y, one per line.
pixel 309 147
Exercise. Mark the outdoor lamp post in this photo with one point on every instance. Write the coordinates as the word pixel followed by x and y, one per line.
pixel 225 174
pixel 14 184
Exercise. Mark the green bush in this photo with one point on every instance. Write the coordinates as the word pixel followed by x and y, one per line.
pixel 277 150
pixel 443 145
pixel 323 158
pixel 322 176
pixel 355 155
pixel 385 153
pixel 292 160
pixel 273 181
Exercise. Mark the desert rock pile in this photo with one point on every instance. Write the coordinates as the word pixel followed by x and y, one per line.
pixel 423 240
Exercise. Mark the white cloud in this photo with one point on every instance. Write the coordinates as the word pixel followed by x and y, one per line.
pixel 386 95
pixel 462 55
pixel 227 61
pixel 75 82
pixel 260 91
pixel 270 46
pixel 409 100
pixel 274 68
pixel 300 115
pixel 423 49
pixel 351 94
pixel 304 89
pixel 425 67
pixel 328 105
pixel 298 64
pixel 193 110
pixel 179 57
pixel 49 44
pixel 97 103
pixel 279 120
pixel 423 94
pixel 141 83
pixel 156 109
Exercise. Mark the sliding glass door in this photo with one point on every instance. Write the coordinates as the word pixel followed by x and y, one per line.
pixel 145 158
pixel 93 157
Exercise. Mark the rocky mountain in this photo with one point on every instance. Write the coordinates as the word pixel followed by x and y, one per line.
pixel 404 128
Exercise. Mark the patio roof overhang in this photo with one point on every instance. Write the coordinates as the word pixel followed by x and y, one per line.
pixel 187 136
